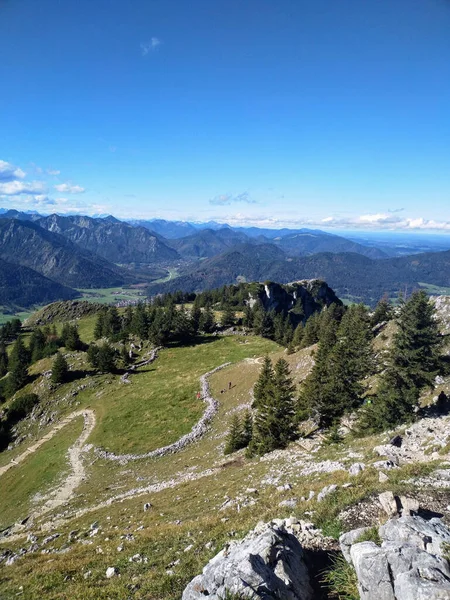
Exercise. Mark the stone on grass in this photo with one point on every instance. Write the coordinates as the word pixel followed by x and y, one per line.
pixel 111 572
pixel 356 468
pixel 326 491
pixel 382 477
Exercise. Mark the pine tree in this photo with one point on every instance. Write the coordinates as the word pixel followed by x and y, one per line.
pixel 247 428
pixel 71 338
pixel 311 332
pixel 18 367
pixel 113 322
pixel 207 321
pixel 248 317
pixel 37 345
pixel 60 369
pixel 343 359
pixel 350 360
pixel 182 326
pixel 3 359
pixel 106 358
pixel 265 380
pixel 298 335
pixel 196 315
pixel 314 390
pixel 414 363
pixel 383 312
pixel 100 325
pixel 228 317
pixel 274 424
pixel 234 437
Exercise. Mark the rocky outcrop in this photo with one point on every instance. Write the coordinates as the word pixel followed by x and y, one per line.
pixel 410 564
pixel 268 563
pixel 301 298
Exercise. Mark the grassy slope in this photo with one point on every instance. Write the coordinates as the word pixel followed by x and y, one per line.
pixel 196 504
pixel 37 474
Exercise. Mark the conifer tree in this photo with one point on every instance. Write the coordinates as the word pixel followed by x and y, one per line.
pixel 228 318
pixel 100 325
pixel 247 428
pixel 248 317
pixel 71 339
pixel 196 315
pixel 414 363
pixel 343 359
pixel 314 390
pixel 3 359
pixel 311 332
pixel 60 369
pixel 383 312
pixel 18 367
pixel 37 345
pixel 234 437
pixel 264 382
pixel 207 321
pixel 298 335
pixel 274 424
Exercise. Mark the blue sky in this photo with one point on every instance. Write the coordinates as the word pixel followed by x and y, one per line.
pixel 333 113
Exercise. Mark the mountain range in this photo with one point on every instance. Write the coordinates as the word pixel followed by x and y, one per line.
pixel 351 275
pixel 76 251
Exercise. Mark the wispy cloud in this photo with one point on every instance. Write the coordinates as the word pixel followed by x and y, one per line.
pixel 53 172
pixel 227 199
pixel 147 47
pixel 69 188
pixel 9 172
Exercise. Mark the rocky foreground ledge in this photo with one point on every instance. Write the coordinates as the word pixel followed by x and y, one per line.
pixel 408 561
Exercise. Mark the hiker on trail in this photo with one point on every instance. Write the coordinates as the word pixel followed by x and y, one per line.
pixel 229 385
pixel 199 395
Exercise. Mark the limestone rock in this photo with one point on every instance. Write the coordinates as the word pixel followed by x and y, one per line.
pixel 388 503
pixel 409 506
pixel 409 564
pixel 268 559
pixel 111 572
pixel 372 570
pixel 328 489
pixel 346 540
pixel 356 468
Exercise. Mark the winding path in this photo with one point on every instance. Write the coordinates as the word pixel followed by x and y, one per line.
pixel 62 494
pixel 89 423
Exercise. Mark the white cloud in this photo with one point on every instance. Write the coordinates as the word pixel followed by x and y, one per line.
pixel 53 172
pixel 9 172
pixel 69 188
pixel 387 221
pixel 227 199
pixel 150 46
pixel 14 188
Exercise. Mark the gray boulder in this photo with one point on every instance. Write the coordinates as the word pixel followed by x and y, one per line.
pixel 409 565
pixel 267 563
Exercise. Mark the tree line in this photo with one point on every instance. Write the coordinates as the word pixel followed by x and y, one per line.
pixel 337 384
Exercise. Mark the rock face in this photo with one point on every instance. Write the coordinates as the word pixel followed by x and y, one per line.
pixel 300 298
pixel 267 563
pixel 409 564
